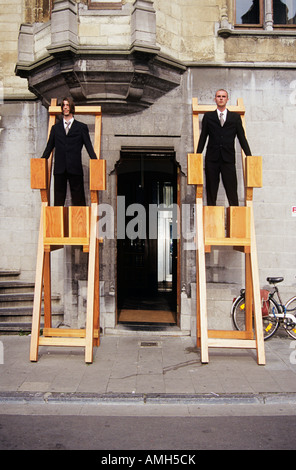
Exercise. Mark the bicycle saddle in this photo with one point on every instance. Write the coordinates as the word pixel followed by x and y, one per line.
pixel 274 280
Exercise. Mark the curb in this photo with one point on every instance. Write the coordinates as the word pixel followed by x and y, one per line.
pixel 147 399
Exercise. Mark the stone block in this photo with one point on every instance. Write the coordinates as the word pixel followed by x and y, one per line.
pixel 143 23
pixel 64 23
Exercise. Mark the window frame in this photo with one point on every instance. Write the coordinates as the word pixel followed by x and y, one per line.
pixel 104 5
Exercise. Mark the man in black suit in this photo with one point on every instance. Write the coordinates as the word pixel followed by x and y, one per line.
pixel 68 137
pixel 221 127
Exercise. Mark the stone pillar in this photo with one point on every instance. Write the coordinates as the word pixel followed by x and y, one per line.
pixel 64 24
pixel 268 17
pixel 225 27
pixel 143 24
pixel 26 43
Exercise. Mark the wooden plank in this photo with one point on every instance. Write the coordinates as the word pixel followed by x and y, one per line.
pixel 55 222
pixel 79 222
pixel 205 108
pixel 254 171
pixel 50 248
pixel 91 285
pixel 214 222
pixel 178 252
pixel 232 343
pixel 97 175
pixel 228 241
pixel 248 294
pixel 195 168
pixel 96 312
pixel 70 342
pixel 256 294
pixel 97 183
pixel 89 110
pixel 38 173
pixel 238 222
pixel 45 194
pixel 243 156
pixel 67 332
pixel 50 242
pixel 98 132
pixel 37 292
pixel 230 334
pixel 47 290
pixel 195 123
pixel 201 283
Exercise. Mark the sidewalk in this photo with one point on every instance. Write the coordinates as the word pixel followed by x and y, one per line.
pixel 148 368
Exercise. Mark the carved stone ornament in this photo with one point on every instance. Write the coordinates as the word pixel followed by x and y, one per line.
pixel 120 80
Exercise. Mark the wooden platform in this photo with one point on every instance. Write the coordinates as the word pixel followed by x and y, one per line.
pixel 72 226
pixel 233 228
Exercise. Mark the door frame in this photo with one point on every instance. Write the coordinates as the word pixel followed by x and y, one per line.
pixel 156 151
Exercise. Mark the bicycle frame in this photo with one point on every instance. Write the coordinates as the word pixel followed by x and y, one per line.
pixel 280 306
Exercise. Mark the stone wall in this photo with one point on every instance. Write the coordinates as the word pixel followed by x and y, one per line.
pixel 22 138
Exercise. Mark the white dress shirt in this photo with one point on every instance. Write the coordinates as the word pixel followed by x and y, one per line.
pixel 70 123
pixel 222 112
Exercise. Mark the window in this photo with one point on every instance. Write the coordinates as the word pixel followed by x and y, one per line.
pixel 249 12
pixel 106 5
pixel 284 12
pixel 256 13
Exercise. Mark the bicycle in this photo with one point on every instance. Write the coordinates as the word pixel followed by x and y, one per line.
pixel 274 312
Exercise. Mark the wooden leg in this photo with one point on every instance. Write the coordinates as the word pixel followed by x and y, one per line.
pixel 256 296
pixel 37 295
pixel 47 291
pixel 201 278
pixel 91 286
pixel 248 293
pixel 97 296
pixel 197 305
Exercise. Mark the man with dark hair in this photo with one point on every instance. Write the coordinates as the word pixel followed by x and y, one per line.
pixel 67 137
pixel 221 127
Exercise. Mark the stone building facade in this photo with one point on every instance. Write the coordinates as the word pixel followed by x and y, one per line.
pixel 143 61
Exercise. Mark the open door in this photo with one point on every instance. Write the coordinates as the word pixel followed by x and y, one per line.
pixel 147 261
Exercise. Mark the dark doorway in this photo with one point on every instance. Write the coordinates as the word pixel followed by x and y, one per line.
pixel 147 250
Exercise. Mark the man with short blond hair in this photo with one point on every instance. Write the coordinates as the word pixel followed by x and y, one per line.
pixel 221 127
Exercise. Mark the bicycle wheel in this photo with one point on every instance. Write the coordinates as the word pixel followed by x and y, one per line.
pixel 289 325
pixel 270 322
pixel 238 313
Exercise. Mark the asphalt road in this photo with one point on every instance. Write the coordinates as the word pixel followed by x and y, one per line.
pixel 163 428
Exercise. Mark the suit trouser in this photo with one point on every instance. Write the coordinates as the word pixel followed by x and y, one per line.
pixel 76 188
pixel 213 169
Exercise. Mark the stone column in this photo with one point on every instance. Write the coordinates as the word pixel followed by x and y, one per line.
pixel 26 43
pixel 143 24
pixel 64 24
pixel 268 17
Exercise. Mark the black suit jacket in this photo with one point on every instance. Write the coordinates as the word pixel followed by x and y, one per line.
pixel 221 139
pixel 68 147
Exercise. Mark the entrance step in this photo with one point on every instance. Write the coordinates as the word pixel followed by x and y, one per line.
pixel 149 330
pixel 16 304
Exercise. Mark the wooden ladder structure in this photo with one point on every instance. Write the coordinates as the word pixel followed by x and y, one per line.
pixel 240 234
pixel 61 226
